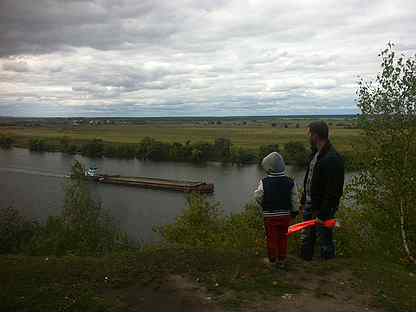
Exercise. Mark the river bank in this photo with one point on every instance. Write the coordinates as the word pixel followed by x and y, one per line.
pixel 178 143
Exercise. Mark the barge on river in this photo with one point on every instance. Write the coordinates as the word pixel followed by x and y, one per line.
pixel 153 183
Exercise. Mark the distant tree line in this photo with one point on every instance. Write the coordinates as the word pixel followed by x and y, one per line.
pixel 6 141
pixel 222 149
pixel 148 148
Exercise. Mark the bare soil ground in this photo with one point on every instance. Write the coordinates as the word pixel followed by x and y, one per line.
pixel 318 291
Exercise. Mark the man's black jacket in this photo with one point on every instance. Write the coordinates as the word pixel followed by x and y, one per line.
pixel 327 182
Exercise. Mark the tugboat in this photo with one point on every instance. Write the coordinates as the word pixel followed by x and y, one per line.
pixel 91 172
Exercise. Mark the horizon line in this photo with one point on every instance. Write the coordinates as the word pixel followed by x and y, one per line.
pixel 184 116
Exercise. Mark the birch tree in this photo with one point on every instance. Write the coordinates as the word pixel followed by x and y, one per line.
pixel 386 189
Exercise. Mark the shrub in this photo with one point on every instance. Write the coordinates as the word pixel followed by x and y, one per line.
pixel 203 225
pixel 15 231
pixel 153 150
pixel 295 153
pixel 265 150
pixel 385 190
pixel 222 149
pixel 178 152
pixel 6 141
pixel 95 148
pixel 38 145
pixel 84 227
pixel 352 237
pixel 240 156
pixel 202 151
pixel 198 226
pixel 120 150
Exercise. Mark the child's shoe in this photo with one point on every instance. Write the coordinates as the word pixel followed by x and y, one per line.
pixel 281 265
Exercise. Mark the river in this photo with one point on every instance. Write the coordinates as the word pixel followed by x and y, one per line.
pixel 33 183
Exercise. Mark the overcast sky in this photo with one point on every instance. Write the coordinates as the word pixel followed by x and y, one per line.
pixel 190 58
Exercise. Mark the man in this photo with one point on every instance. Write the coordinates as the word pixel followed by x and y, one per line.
pixel 323 188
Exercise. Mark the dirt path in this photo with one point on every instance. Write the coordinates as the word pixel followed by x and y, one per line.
pixel 175 294
pixel 320 291
pixel 334 292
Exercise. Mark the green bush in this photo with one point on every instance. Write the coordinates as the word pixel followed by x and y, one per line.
pixel 202 151
pixel 153 150
pixel 39 145
pixel 385 190
pixel 222 149
pixel 6 141
pixel 120 150
pixel 353 236
pixel 203 225
pixel 84 228
pixel 198 226
pixel 15 231
pixel 95 148
pixel 296 153
pixel 240 156
pixel 265 150
pixel 178 152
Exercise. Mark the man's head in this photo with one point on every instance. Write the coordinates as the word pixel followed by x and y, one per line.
pixel 318 133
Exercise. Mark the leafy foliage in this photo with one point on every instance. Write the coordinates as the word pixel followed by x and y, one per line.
pixel 39 145
pixel 95 148
pixel 203 225
pixel 84 228
pixel 296 153
pixel 15 231
pixel 6 141
pixel 385 190
pixel 265 150
pixel 222 149
pixel 240 156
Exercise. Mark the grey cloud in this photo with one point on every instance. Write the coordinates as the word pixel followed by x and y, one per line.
pixel 192 57
pixel 16 66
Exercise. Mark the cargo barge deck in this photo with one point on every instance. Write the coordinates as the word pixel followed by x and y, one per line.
pixel 156 183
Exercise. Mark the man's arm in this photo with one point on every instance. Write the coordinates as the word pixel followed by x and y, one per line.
pixel 303 195
pixel 333 180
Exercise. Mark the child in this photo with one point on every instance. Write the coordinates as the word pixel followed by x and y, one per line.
pixel 277 194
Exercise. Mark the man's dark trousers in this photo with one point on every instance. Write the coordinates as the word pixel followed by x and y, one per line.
pixel 309 236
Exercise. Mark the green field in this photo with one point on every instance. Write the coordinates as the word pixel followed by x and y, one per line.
pixel 249 136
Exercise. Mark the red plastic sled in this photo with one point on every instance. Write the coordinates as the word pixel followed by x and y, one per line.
pixel 308 224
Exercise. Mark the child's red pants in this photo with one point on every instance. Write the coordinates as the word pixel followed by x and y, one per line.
pixel 276 231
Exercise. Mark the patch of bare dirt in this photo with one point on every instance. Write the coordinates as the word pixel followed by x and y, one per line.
pixel 174 294
pixel 323 291
pixel 320 290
